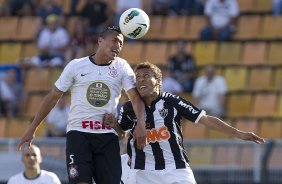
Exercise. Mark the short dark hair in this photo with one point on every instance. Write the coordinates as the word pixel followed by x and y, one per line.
pixel 155 69
pixel 109 30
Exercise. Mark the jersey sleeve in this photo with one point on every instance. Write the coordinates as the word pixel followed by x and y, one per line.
pixel 128 78
pixel 185 108
pixel 66 78
pixel 11 181
pixel 56 180
pixel 127 117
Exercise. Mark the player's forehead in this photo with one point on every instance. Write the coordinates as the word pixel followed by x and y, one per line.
pixel 31 150
pixel 144 71
pixel 115 35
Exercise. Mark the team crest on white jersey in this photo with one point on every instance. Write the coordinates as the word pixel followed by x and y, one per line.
pixel 163 112
pixel 113 72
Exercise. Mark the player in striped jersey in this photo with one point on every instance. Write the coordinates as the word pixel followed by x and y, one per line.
pixel 164 160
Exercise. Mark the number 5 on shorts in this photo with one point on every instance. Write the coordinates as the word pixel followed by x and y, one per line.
pixel 71 159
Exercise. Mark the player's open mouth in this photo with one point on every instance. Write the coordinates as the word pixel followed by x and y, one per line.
pixel 142 87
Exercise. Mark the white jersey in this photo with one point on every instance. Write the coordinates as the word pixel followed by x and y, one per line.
pixel 45 177
pixel 95 90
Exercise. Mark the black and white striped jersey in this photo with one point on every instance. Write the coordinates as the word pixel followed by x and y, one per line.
pixel 163 127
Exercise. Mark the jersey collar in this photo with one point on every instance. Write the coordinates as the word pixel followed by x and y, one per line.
pixel 93 61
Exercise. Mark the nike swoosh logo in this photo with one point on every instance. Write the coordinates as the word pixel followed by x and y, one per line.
pixel 83 74
pixel 142 25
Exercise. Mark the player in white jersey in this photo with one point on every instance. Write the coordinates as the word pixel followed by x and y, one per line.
pixel 95 82
pixel 33 174
pixel 164 159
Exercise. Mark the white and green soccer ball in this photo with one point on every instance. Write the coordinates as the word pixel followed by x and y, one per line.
pixel 134 23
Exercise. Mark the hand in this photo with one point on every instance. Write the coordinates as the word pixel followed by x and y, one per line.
pixel 139 135
pixel 26 138
pixel 250 136
pixel 109 120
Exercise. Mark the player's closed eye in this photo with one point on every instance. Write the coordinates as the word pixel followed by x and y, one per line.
pixel 117 41
pixel 145 77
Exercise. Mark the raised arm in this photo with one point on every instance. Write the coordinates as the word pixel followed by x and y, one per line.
pixel 219 125
pixel 45 107
pixel 139 110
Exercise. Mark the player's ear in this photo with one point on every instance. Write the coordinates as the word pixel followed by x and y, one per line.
pixel 100 39
pixel 159 82
pixel 40 158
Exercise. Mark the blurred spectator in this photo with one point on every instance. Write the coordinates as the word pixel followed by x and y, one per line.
pixel 5 9
pixel 182 7
pixel 221 15
pixel 32 158
pixel 170 84
pixel 11 94
pixel 78 41
pixel 26 10
pixel 99 15
pixel 123 5
pixel 209 92
pixel 182 67
pixel 73 6
pixel 160 7
pixel 276 7
pixel 187 7
pixel 49 7
pixel 199 7
pixel 23 7
pixel 53 42
pixel 57 119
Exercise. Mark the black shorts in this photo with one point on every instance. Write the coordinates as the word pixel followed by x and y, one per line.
pixel 93 156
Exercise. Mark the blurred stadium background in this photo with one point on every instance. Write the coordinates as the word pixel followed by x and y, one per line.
pixel 251 65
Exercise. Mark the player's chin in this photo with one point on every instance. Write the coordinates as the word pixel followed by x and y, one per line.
pixel 143 94
pixel 113 56
pixel 110 55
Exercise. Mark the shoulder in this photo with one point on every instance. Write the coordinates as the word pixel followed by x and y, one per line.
pixel 81 60
pixel 44 33
pixel 48 174
pixel 120 61
pixel 127 109
pixel 62 30
pixel 219 78
pixel 78 62
pixel 174 100
pixel 121 64
pixel 168 97
pixel 200 79
pixel 15 178
pixel 127 105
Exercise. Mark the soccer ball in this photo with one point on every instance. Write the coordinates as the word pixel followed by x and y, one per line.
pixel 134 23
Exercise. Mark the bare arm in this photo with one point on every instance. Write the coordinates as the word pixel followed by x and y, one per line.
pixel 139 109
pixel 219 125
pixel 45 107
pixel 110 121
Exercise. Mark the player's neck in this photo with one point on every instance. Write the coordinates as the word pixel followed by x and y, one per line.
pixel 32 173
pixel 149 99
pixel 99 59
